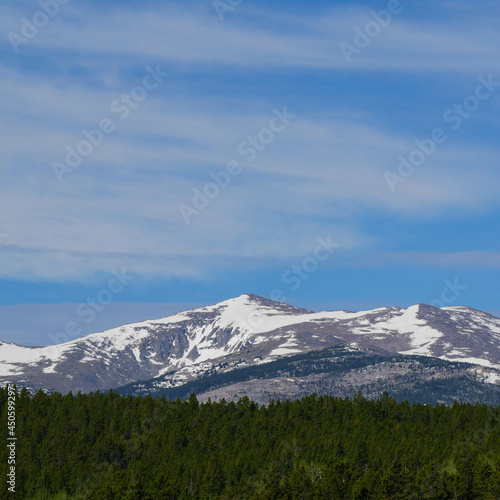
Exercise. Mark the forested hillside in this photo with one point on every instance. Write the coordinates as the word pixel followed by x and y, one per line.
pixel 336 371
pixel 108 446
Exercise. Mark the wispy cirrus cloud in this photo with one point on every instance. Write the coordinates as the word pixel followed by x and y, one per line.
pixel 194 36
pixel 323 175
pixel 439 260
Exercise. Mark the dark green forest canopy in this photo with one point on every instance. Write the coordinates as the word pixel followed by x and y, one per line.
pixel 108 446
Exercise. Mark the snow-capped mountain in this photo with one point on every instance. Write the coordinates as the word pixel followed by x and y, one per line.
pixel 245 331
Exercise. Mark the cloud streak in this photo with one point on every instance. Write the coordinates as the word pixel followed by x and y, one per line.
pixel 171 33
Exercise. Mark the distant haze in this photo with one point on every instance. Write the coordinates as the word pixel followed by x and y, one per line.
pixel 31 324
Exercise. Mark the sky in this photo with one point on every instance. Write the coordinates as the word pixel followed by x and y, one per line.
pixel 157 156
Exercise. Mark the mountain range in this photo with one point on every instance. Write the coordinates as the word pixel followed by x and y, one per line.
pixel 253 346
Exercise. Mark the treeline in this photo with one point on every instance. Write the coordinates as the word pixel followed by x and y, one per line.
pixel 109 446
pixel 332 360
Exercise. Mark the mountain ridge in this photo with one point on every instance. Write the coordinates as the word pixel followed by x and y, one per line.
pixel 254 329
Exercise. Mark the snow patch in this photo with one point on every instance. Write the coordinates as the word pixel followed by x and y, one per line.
pixel 137 354
pixel 280 351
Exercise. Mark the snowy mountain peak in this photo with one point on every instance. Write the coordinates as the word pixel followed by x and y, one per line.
pixel 235 311
pixel 249 301
pixel 245 330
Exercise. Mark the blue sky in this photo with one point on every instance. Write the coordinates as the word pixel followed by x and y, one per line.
pixel 329 126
